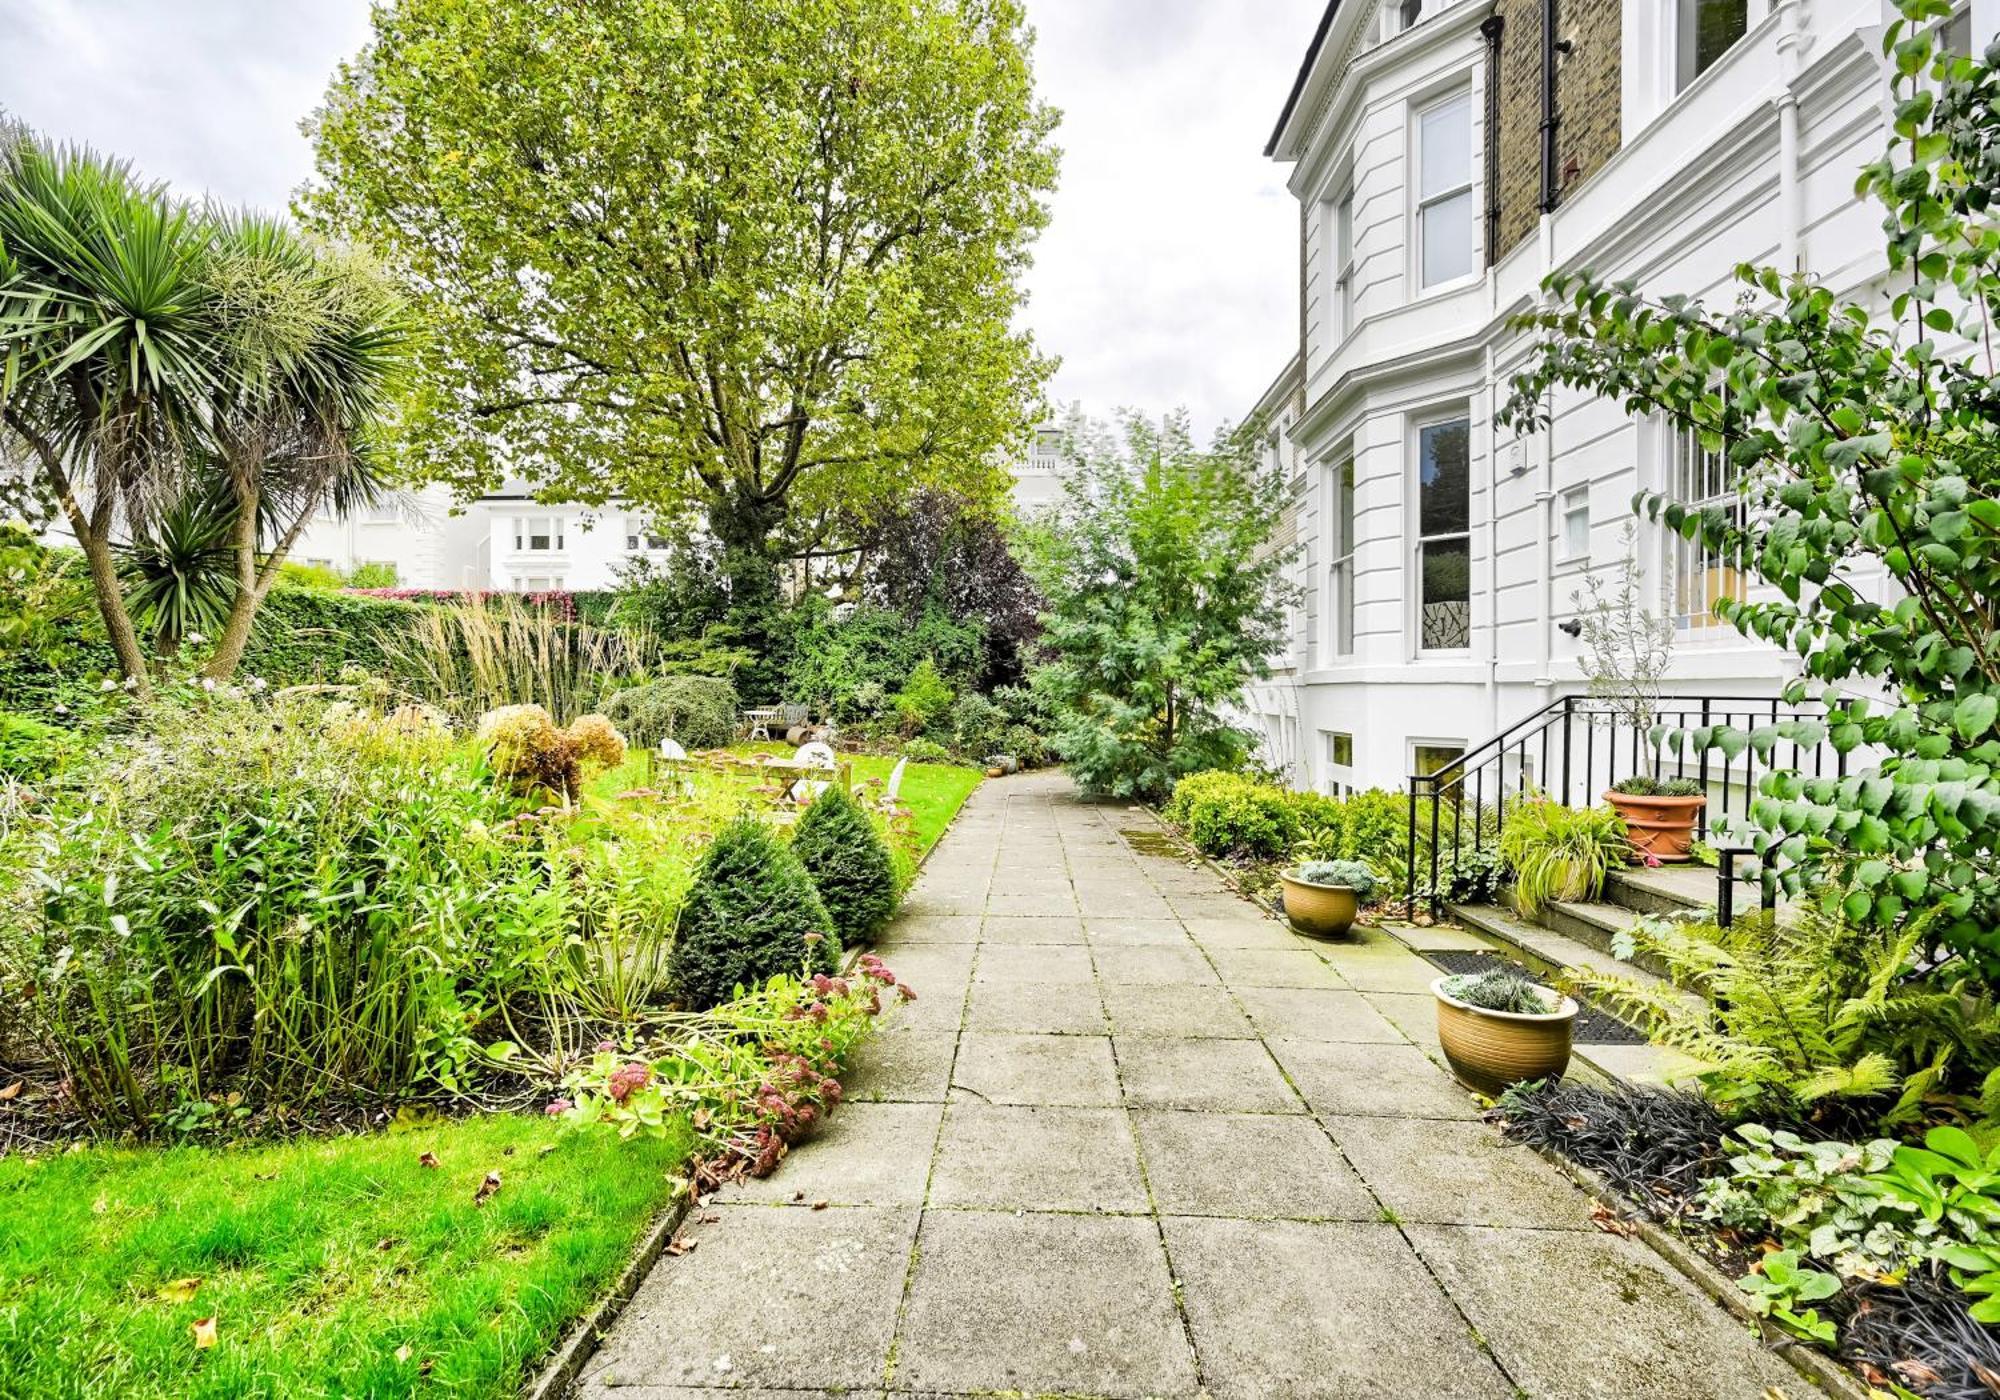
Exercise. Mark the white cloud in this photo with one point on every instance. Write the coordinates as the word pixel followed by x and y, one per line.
pixel 1169 275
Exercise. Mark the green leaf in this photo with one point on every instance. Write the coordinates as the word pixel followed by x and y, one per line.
pixel 1974 715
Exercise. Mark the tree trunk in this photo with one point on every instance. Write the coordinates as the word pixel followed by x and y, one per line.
pixel 235 636
pixel 111 605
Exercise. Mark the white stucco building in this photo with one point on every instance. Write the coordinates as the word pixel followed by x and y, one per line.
pixel 1440 554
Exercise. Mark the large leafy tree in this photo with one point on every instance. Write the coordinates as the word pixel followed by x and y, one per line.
pixel 754 260
pixel 1870 449
pixel 1166 600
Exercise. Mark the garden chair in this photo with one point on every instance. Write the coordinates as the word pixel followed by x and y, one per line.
pixel 892 791
pixel 819 756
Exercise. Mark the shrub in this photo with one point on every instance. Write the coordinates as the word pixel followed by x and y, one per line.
pixel 1227 814
pixel 751 914
pixel 698 712
pixel 526 749
pixel 926 751
pixel 1655 1145
pixel 309 635
pixel 848 667
pixel 1374 822
pixel 1558 852
pixel 476 654
pixel 923 699
pixel 978 726
pixel 849 864
pixel 30 749
pixel 1350 873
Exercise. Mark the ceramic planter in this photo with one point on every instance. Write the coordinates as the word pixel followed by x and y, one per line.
pixel 1491 1050
pixel 1660 827
pixel 1324 911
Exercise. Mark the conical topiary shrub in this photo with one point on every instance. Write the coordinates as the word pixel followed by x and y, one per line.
pixel 849 864
pixel 751 914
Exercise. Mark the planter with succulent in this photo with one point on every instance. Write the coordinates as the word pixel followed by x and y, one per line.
pixel 1559 853
pixel 1499 1029
pixel 1322 897
pixel 1660 815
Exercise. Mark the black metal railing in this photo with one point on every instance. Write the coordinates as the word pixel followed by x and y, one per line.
pixel 1572 750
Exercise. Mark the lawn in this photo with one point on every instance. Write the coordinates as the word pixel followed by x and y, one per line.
pixel 933 792
pixel 335 1266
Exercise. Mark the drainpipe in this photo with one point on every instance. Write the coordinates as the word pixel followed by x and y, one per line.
pixel 1551 116
pixel 1490 29
pixel 1545 498
pixel 1791 42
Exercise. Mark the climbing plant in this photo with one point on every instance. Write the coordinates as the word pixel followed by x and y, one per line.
pixel 1867 438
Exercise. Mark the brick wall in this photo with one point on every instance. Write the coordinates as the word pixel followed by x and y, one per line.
pixel 1588 97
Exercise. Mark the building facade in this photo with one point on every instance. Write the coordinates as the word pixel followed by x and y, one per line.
pixel 1447 155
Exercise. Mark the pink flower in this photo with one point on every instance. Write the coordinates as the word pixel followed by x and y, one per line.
pixel 605 1047
pixel 558 1107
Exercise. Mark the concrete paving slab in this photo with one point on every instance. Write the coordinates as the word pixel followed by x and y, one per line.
pixel 1062 963
pixel 1053 898
pixel 1383 1081
pixel 1081 1306
pixel 1247 930
pixel 1072 1070
pixel 1412 1013
pixel 1194 1013
pixel 1438 938
pixel 1210 904
pixel 1229 1076
pixel 1047 1008
pixel 928 928
pixel 898 1065
pixel 943 968
pixel 1443 1173
pixel 1310 1013
pixel 1288 1308
pixel 1252 1165
pixel 1597 1317
pixel 1116 902
pixel 1384 969
pixel 1153 967
pixel 1103 932
pixel 748 1306
pixel 1014 930
pixel 866 1154
pixel 1026 1158
pixel 1274 967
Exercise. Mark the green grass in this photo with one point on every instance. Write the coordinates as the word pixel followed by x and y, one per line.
pixel 319 1259
pixel 932 791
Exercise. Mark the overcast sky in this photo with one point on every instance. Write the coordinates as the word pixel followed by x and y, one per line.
pixel 1168 276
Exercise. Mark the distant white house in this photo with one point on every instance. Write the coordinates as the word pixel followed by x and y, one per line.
pixel 1445 160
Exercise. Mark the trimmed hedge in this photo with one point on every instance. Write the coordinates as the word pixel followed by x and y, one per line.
pixel 304 636
pixel 746 919
pixel 849 864
pixel 699 712
pixel 30 749
pixel 1229 814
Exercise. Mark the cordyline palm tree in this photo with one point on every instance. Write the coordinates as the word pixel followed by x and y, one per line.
pixel 109 348
pixel 151 353
pixel 318 342
pixel 178 571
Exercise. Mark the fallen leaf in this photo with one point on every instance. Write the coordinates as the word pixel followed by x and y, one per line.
pixel 709 1219
pixel 819 1205
pixel 677 1246
pixel 486 1188
pixel 387 1243
pixel 204 1333
pixel 1607 1220
pixel 428 1159
pixel 12 1090
pixel 403 1352
pixel 179 1291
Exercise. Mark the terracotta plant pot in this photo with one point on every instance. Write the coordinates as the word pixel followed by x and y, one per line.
pixel 1491 1050
pixel 1324 911
pixel 1660 827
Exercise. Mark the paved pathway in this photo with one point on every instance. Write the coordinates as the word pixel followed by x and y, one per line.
pixel 1135 1139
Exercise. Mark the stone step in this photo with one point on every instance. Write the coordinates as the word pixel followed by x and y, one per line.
pixel 1670 889
pixel 1597 926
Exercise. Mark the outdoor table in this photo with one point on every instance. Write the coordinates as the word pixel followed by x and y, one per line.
pixel 793 772
pixel 760 721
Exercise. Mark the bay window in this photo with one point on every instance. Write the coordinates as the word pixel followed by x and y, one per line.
pixel 1707 30
pixel 1444 215
pixel 1444 535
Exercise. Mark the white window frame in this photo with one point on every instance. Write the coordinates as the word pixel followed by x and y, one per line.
pixel 1698 479
pixel 1573 502
pixel 1414 450
pixel 1340 601
pixel 526 532
pixel 1336 778
pixel 1422 204
pixel 1683 18
pixel 1343 262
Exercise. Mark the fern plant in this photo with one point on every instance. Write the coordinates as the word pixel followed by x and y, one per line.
pixel 1810 1015
pixel 1558 852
